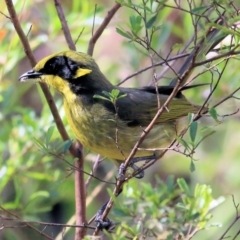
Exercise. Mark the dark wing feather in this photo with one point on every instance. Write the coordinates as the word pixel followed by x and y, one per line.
pixel 140 105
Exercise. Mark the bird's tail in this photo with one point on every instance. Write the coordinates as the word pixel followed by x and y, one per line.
pixel 213 37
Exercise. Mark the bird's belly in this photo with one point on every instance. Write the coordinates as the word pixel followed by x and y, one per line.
pixel 115 139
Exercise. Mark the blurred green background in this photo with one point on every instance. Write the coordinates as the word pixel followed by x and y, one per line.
pixel 40 187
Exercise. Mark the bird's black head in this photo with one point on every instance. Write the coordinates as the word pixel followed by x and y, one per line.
pixel 69 69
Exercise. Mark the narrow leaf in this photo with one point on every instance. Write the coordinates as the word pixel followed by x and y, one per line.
pixel 193 131
pixel 100 97
pixel 192 166
pixel 183 142
pixel 190 118
pixel 124 34
pixel 39 143
pixel 151 21
pixel 49 135
pixel 108 94
pixel 198 9
pixel 213 113
pixel 184 187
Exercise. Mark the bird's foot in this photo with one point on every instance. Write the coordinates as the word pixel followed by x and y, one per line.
pixel 121 170
pixel 101 224
pixel 140 172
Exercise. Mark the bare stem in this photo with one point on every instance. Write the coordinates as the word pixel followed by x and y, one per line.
pixel 65 27
pixel 102 27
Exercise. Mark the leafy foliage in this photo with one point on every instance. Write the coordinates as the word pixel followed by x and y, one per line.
pixel 35 167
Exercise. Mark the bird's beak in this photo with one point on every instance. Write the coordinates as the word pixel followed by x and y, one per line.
pixel 30 75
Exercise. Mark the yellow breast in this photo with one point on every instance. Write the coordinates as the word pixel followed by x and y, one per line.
pixel 102 132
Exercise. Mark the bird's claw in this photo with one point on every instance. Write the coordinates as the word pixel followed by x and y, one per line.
pixel 121 175
pixel 101 224
pixel 140 172
pixel 106 224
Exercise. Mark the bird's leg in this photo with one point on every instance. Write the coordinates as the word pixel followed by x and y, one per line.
pixel 135 167
pixel 106 223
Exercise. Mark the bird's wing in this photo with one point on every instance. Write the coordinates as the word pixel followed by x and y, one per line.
pixel 140 106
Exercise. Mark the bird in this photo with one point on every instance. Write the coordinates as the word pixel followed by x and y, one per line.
pixel 109 119
pixel 107 127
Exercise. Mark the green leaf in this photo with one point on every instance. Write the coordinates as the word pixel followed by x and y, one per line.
pixel 192 166
pixel 129 229
pixel 49 135
pixel 193 131
pixel 123 3
pixel 183 142
pixel 199 9
pixel 190 118
pixel 135 22
pixel 132 20
pixel 159 27
pixel 63 147
pixel 67 145
pixel 38 194
pixel 122 96
pixel 151 21
pixel 108 94
pixel 40 144
pixel 38 175
pixel 214 115
pixel 184 187
pixel 120 212
pixel 124 34
pixel 115 93
pixel 100 97
pixel 170 183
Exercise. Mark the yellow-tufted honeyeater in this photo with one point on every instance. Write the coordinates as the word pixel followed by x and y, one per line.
pixel 111 129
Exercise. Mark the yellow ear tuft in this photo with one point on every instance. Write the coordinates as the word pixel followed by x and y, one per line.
pixel 81 72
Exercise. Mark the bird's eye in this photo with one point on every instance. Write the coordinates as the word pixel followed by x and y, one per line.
pixel 50 67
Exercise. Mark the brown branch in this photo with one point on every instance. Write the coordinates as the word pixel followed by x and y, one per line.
pixel 73 150
pixel 80 196
pixel 32 61
pixel 226 98
pixel 72 166
pixel 101 28
pixel 65 27
pixel 227 54
pixel 43 223
pixel 153 66
pixel 80 193
pixel 233 222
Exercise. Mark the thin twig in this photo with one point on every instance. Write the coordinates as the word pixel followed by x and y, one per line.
pixel 152 66
pixel 65 27
pixel 80 34
pixel 43 223
pixel 101 28
pixel 233 222
pixel 27 223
